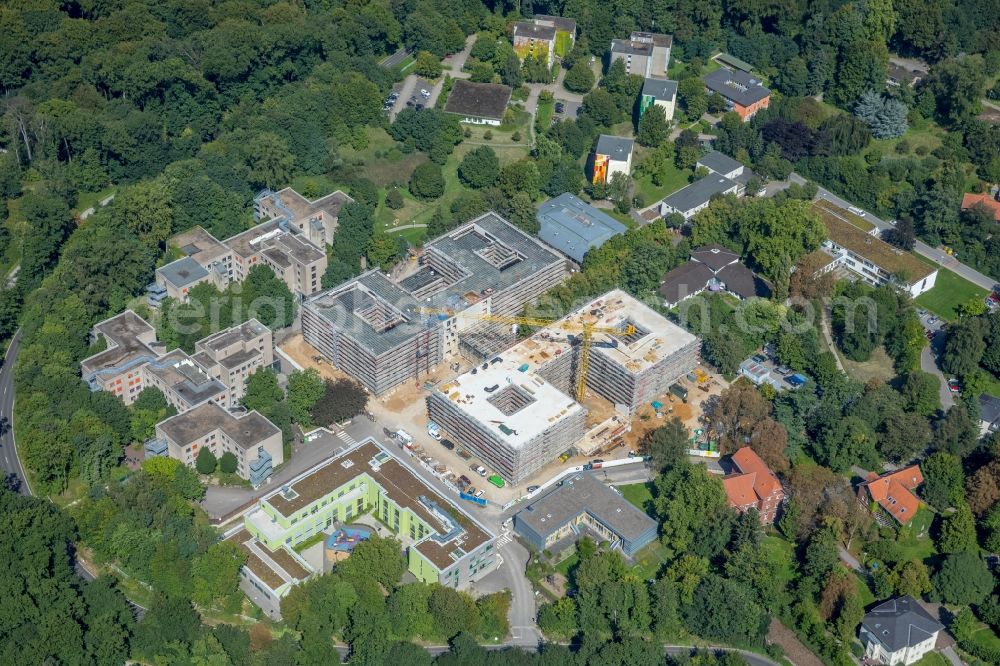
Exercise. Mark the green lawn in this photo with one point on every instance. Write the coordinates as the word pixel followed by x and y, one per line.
pixel 949 291
pixel 639 494
pixel 85 200
pixel 566 565
pixel 986 637
pixel 781 554
pixel 650 560
pixel 543 117
pixel 864 592
pixel 915 547
pixel 675 180
pixel 932 659
pixel 930 137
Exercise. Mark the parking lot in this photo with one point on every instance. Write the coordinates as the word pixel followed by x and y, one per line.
pixel 570 110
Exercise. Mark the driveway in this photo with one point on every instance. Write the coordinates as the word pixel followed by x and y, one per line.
pixel 930 354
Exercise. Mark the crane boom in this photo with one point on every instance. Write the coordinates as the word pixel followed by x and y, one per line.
pixel 586 335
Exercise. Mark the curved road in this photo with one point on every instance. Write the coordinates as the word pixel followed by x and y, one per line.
pixel 8 448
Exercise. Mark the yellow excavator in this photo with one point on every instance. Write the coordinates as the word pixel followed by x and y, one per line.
pixel 585 330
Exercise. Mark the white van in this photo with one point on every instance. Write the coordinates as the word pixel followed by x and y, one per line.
pixel 404 437
pixel 857 211
pixel 434 431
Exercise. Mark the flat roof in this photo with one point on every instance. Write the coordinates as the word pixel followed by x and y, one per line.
pixel 401 485
pixel 719 162
pixel 573 226
pixel 583 493
pixel 185 377
pixel 655 338
pixel 629 47
pixel 656 38
pixel 128 337
pixel 522 402
pixel 248 330
pixel 245 244
pixel 532 30
pixel 290 245
pixel 274 567
pixel 200 245
pixel 302 207
pixel 828 207
pixel 246 431
pixel 183 272
pixel 699 192
pixel 491 254
pixel 479 100
pixel 351 309
pixel 736 85
pixel 561 23
pixel 890 259
pixel 660 88
pixel 617 148
pixel 485 256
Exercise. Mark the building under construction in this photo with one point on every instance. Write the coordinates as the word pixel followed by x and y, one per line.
pixel 508 414
pixel 515 411
pixel 627 370
pixel 372 326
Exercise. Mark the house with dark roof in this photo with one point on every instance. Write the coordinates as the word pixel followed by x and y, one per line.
pixel 989 414
pixel 715 268
pixel 742 91
pixel 899 631
pixel 478 103
pixel 612 155
pixel 645 54
pixel 661 93
pixel 894 493
pixel 574 227
pixel 579 505
pixel 753 486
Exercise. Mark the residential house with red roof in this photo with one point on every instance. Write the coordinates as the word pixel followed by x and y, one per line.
pixel 893 492
pixel 754 486
pixel 992 205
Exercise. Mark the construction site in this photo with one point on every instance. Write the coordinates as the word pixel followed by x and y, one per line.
pixel 522 408
pixel 375 327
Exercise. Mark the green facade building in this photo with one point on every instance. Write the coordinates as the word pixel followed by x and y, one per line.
pixel 443 543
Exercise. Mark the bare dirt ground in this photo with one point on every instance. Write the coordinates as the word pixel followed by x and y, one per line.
pixel 795 651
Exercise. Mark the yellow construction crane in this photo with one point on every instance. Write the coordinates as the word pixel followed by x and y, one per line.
pixel 586 334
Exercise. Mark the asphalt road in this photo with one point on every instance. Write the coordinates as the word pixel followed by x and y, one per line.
pixel 391 61
pixel 921 248
pixel 8 449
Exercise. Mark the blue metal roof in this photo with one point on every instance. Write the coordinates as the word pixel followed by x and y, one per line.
pixel 574 227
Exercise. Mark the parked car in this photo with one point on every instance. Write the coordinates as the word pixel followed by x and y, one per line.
pixel 471 490
pixel 782 370
pixel 954 386
pixel 532 489
pixel 857 211
pixel 478 469
pixel 464 481
pixel 560 107
pixel 564 457
pixel 448 444
pixel 480 492
pixel 597 461
pixel 933 320
pixel 424 92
